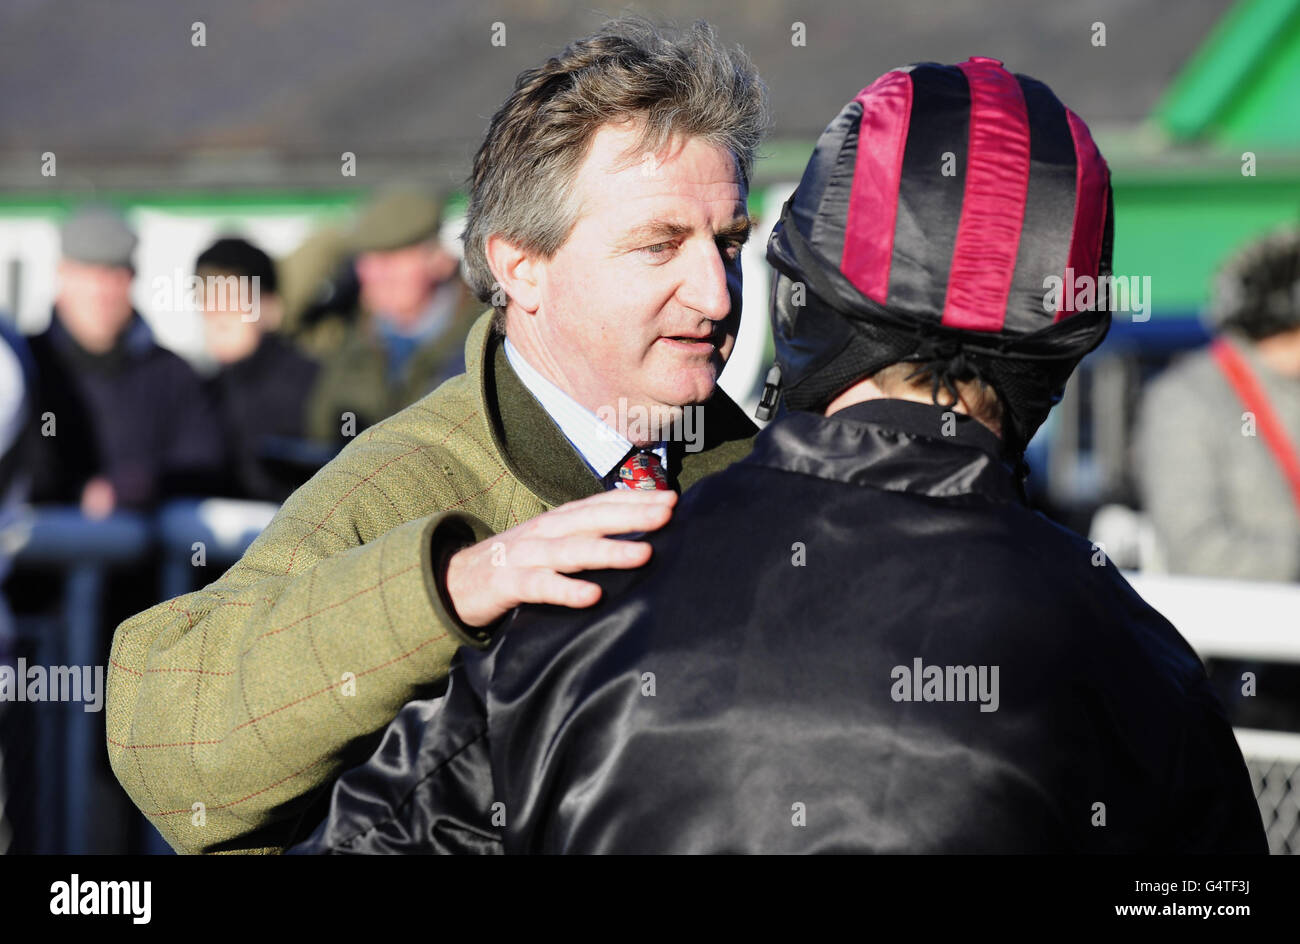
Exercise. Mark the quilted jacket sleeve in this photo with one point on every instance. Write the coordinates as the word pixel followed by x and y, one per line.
pixel 230 707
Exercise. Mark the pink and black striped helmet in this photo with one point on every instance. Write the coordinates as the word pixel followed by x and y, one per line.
pixel 928 220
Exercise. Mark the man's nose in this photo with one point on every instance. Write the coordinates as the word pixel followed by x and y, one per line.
pixel 705 288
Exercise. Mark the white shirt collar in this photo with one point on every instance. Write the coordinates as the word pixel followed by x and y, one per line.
pixel 601 446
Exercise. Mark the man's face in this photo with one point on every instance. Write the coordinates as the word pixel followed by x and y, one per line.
pixel 233 320
pixel 643 299
pixel 94 303
pixel 398 283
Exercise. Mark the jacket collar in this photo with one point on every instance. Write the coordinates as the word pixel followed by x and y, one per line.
pixel 538 454
pixel 895 445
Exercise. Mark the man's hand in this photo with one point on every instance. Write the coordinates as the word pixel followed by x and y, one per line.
pixel 526 564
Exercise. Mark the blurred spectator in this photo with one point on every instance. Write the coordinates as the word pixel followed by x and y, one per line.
pixel 318 291
pixel 262 382
pixel 1218 435
pixel 16 375
pixel 415 311
pixel 123 422
pixel 15 417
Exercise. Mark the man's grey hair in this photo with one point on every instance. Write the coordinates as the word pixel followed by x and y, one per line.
pixel 673 84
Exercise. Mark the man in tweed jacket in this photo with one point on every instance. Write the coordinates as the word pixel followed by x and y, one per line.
pixel 616 279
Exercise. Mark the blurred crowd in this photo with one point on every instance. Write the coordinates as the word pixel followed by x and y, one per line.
pixel 96 417
pixel 117 421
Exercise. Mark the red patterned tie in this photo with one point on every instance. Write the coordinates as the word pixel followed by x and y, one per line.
pixel 643 470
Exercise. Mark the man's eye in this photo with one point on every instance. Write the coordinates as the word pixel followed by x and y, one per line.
pixel 659 251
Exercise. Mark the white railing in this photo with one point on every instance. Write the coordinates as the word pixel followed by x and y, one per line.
pixel 1238 619
pixel 1228 619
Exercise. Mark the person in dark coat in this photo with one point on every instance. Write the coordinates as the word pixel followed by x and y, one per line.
pixel 859 638
pixel 123 422
pixel 120 424
pixel 263 383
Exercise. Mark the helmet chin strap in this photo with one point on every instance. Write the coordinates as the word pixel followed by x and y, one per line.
pixel 771 394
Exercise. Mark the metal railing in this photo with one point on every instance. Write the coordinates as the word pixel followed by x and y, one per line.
pixel 85 553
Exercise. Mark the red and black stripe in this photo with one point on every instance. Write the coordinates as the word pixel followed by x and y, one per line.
pixel 1022 164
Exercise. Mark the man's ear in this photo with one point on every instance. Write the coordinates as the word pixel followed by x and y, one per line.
pixel 515 271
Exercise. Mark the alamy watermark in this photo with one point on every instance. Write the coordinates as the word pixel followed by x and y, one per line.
pixel 181 292
pixel 640 424
pixel 71 683
pixel 1073 293
pixel 78 897
pixel 920 682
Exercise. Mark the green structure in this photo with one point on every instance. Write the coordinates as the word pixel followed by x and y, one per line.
pixel 1217 163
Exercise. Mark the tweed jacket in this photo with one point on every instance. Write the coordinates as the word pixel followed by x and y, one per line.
pixel 231 710
pixel 354 377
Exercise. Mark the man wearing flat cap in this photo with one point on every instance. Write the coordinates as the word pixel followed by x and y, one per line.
pixel 408 335
pixel 125 423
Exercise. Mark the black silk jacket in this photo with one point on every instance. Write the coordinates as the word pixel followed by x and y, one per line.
pixel 858 639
